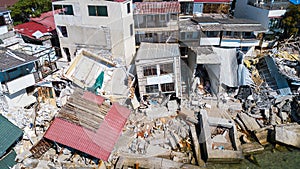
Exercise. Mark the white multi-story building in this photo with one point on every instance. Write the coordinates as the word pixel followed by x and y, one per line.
pixel 6 23
pixel 266 12
pixel 100 26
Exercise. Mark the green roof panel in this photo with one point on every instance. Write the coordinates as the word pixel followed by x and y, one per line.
pixel 8 161
pixel 9 134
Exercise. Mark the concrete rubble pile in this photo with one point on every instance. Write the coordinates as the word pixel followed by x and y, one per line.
pixel 165 135
pixel 168 132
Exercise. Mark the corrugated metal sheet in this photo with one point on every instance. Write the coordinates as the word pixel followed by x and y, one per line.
pixel 150 51
pixel 46 19
pixel 93 98
pixel 282 84
pixel 8 62
pixel 98 144
pixel 30 27
pixel 8 161
pixel 9 134
pixel 156 7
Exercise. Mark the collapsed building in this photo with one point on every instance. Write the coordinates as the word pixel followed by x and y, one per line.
pixel 188 104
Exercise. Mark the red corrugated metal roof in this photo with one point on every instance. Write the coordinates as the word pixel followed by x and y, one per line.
pixel 212 1
pixel 45 23
pixel 98 144
pixel 93 98
pixel 30 27
pixel 46 19
pixel 156 7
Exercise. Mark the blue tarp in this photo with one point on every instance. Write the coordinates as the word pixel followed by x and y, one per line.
pixel 295 2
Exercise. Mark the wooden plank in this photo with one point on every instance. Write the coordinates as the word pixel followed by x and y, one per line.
pixel 262 134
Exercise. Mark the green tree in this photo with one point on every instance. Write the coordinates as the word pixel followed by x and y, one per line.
pixel 24 9
pixel 291 21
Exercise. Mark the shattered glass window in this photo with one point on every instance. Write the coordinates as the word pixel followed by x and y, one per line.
pixel 166 68
pixel 151 88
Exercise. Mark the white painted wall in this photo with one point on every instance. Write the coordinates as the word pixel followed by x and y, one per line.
pixel 276 13
pixel 239 43
pixel 88 30
pixel 243 10
pixel 209 41
pixel 3 29
pixel 19 99
pixel 20 83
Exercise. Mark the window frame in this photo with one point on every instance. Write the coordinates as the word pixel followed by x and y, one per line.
pixel 64 33
pixel 62 6
pixel 128 8
pixel 152 88
pixel 150 70
pixel 98 10
pixel 166 68
pixel 131 29
pixel 167 87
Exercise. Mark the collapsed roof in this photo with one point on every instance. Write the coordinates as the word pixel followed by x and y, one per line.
pixel 88 124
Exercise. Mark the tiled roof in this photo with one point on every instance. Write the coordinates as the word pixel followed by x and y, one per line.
pixel 9 62
pixel 31 27
pixel 9 134
pixel 98 144
pixel 156 7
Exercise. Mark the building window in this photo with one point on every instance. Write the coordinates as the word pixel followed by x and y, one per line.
pixel 247 35
pixel 162 17
pixel 131 30
pixel 67 52
pixel 236 34
pixel 65 9
pixel 227 33
pixel 97 10
pixel 2 21
pixel 167 87
pixel 128 8
pixel 150 70
pixel 166 68
pixel 63 30
pixel 152 88
pixel 148 35
pixel 212 33
pixel 150 18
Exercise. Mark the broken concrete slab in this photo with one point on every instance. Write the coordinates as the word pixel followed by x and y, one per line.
pixel 252 148
pixel 249 122
pixel 233 155
pixel 288 134
pixel 152 162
